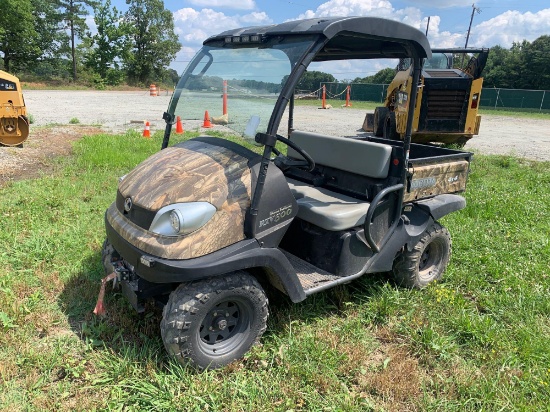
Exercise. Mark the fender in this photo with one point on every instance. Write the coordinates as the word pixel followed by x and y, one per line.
pixel 442 205
pixel 416 218
pixel 242 255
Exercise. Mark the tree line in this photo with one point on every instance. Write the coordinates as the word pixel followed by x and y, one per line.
pixel 526 65
pixel 51 39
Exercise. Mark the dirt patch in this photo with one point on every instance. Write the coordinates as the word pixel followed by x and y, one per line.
pixel 382 370
pixel 33 159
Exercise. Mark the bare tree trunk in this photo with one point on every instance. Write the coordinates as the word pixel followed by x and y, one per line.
pixel 73 50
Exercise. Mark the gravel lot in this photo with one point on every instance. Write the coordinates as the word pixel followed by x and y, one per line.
pixel 119 111
pixel 115 112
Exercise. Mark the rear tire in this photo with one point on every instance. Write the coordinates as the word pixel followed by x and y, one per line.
pixel 210 323
pixel 427 261
pixel 380 114
pixel 390 127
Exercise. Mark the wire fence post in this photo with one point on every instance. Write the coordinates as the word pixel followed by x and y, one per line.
pixel 496 99
pixel 542 101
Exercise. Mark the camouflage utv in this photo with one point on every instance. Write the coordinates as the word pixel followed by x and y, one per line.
pixel 206 226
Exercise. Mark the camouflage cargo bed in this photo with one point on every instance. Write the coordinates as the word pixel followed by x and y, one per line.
pixel 434 170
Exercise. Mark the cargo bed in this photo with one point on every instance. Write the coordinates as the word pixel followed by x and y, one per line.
pixel 433 170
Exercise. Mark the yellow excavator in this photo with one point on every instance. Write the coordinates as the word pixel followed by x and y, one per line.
pixel 14 124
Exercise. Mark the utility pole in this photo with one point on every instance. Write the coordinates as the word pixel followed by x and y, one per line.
pixel 474 9
pixel 428 26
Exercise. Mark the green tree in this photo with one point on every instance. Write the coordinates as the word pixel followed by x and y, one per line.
pixel 107 45
pixel 384 76
pixel 495 70
pixel 153 42
pixel 536 58
pixel 311 80
pixel 524 66
pixel 48 23
pixel 515 67
pixel 18 36
pixel 171 77
pixel 74 14
pixel 52 39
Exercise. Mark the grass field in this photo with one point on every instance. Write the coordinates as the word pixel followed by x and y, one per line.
pixel 477 341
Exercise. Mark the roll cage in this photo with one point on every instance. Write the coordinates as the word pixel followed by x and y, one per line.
pixel 341 38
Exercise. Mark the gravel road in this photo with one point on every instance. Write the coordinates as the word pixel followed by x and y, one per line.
pixel 119 111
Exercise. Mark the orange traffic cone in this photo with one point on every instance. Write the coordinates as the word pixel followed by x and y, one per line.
pixel 147 130
pixel 207 124
pixel 179 126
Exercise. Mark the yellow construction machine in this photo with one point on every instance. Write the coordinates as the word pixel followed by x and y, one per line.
pixel 14 124
pixel 447 103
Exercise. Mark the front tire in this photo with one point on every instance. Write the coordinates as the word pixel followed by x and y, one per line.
pixel 390 127
pixel 210 323
pixel 427 261
pixel 380 114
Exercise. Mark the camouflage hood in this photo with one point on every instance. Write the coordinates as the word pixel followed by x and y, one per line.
pixel 205 169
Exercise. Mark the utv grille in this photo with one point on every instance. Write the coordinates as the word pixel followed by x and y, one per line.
pixel 137 215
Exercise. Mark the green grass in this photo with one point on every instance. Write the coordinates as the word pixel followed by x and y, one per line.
pixel 527 113
pixel 476 341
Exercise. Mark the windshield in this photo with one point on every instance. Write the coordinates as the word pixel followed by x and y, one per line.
pixel 438 61
pixel 252 77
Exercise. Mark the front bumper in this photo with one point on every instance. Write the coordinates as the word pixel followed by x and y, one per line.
pixel 238 256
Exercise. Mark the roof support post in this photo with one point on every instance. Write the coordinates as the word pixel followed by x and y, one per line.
pixel 417 62
pixel 417 67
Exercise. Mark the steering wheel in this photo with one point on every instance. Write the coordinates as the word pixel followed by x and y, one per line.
pixel 284 162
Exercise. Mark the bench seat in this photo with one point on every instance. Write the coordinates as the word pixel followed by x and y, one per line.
pixel 327 209
pixel 361 157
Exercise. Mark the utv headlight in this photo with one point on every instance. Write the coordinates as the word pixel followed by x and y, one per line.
pixel 182 218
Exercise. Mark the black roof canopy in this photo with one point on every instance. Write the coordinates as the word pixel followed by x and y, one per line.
pixel 348 37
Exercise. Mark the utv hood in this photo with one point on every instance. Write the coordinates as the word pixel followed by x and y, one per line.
pixel 204 169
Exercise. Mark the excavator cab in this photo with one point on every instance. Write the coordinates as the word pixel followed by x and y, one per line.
pixel 14 124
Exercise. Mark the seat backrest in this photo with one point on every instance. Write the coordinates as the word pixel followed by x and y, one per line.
pixel 356 156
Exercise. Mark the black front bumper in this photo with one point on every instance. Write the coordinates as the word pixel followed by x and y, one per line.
pixel 241 255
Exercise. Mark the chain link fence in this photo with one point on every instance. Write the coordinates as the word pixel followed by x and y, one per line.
pixel 516 99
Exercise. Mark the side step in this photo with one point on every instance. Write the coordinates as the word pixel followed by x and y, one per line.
pixel 314 279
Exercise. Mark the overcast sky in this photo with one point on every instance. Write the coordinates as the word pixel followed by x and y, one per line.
pixel 496 22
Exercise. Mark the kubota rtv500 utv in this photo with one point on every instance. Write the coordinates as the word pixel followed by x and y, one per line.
pixel 205 226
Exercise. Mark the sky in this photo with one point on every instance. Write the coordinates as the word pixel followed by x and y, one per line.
pixel 495 22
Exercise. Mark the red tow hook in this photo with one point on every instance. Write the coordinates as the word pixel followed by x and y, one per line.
pixel 99 308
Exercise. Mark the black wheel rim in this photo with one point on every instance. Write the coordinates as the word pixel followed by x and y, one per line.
pixel 430 260
pixel 224 327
